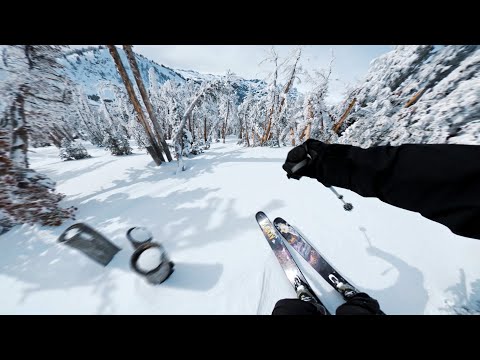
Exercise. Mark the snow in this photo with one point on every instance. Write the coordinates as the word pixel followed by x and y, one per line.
pixel 149 259
pixel 205 219
pixel 140 234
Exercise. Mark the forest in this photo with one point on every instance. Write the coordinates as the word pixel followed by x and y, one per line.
pixel 413 94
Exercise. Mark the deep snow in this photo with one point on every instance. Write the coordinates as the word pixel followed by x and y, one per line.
pixel 205 217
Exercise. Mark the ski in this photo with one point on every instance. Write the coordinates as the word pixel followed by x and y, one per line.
pixel 289 266
pixel 315 259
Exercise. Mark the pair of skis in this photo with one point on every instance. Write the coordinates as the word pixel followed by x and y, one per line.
pixel 309 253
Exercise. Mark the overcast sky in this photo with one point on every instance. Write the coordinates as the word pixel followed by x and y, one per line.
pixel 351 61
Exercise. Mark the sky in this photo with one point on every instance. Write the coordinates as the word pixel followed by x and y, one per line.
pixel 350 64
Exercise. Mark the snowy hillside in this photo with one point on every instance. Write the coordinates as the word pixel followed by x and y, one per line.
pixel 205 217
pixel 418 94
pixel 90 67
pixel 242 86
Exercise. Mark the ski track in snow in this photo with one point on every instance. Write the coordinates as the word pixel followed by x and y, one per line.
pixel 205 218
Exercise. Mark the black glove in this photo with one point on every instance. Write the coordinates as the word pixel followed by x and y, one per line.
pixel 360 304
pixel 305 159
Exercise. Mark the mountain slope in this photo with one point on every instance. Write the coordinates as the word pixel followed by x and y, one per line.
pixel 89 67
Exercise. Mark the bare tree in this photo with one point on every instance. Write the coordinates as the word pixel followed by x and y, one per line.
pixel 146 100
pixel 154 149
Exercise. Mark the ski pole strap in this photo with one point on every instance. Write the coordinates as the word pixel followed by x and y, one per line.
pixel 300 165
pixel 305 161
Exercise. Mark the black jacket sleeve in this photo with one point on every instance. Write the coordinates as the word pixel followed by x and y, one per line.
pixel 440 181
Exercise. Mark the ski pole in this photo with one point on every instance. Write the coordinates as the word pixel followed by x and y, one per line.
pixel 346 206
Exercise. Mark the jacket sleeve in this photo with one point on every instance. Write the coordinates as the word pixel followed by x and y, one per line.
pixel 440 181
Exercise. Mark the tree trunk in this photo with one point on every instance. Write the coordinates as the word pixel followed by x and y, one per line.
pixel 307 130
pixel 205 128
pixel 226 122
pixel 337 126
pixel 292 136
pixel 19 148
pixel 415 98
pixel 56 137
pixel 68 132
pixel 154 148
pixel 241 128
pixel 54 140
pixel 190 120
pixel 146 100
pixel 63 133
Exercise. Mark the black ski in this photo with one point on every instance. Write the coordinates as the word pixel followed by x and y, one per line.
pixel 315 259
pixel 289 266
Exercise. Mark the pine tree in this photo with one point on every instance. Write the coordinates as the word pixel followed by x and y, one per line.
pixel 71 150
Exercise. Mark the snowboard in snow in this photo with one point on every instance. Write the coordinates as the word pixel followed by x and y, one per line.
pixel 291 269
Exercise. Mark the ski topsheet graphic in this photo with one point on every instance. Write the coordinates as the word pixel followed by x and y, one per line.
pixel 291 269
pixel 314 258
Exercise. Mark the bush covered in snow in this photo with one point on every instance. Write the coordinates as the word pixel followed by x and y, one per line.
pixel 117 145
pixel 71 150
pixel 197 148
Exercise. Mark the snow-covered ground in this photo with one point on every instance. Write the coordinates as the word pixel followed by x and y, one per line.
pixel 205 218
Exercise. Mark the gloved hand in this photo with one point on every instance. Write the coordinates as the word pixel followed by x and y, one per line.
pixel 304 160
pixel 360 304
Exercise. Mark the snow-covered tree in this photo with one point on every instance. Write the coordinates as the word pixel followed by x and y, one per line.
pixel 293 132
pixel 118 145
pixel 71 150
pixel 317 122
pixel 277 97
pixel 26 197
pixel 35 98
pixel 418 94
pixel 87 127
pixel 193 100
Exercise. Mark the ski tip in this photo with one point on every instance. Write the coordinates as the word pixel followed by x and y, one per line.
pixel 279 220
pixel 260 214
